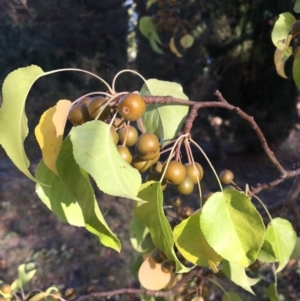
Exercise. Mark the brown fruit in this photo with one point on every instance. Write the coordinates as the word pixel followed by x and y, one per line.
pixel 147 144
pixel 132 135
pixel 131 106
pixel 186 186
pixel 96 105
pixel 158 256
pixel 176 202
pixel 70 293
pixel 226 176
pixel 141 165
pixel 168 266
pixel 194 171
pixel 150 156
pixel 78 113
pixel 175 172
pixel 115 135
pixel 124 153
pixel 186 212
pixel 255 266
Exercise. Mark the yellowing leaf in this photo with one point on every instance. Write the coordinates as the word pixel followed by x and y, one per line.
pixel 13 120
pixel 192 244
pixel 49 132
pixel 173 48
pixel 279 63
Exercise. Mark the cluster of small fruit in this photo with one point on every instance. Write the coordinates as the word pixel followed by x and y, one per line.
pixel 167 16
pixel 141 151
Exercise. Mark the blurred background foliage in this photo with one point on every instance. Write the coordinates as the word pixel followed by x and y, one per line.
pixel 232 52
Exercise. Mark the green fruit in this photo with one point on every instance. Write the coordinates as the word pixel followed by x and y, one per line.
pixel 226 176
pixel 175 172
pixel 186 212
pixel 141 165
pixel 194 171
pixel 168 266
pixel 176 202
pixel 124 153
pixel 95 106
pixel 186 186
pixel 158 256
pixel 78 113
pixel 147 144
pixel 132 135
pixel 115 135
pixel 131 106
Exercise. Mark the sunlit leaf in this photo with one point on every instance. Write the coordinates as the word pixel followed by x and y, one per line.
pixel 57 197
pixel 96 153
pixel 165 121
pixel 296 251
pixel 272 292
pixel 296 69
pixel 282 237
pixel 187 41
pixel 279 63
pixel 13 120
pixel 266 253
pixel 149 30
pixel 231 296
pixel 297 6
pixel 173 47
pixel 78 183
pixel 151 214
pixel 49 132
pixel 25 274
pixel 281 30
pixel 152 277
pixel 237 274
pixel 140 236
pixel 236 231
pixel 192 244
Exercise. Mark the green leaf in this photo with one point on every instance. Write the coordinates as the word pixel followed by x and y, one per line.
pixel 272 292
pixel 192 244
pixel 24 276
pixel 78 183
pixel 236 231
pixel 165 121
pixel 281 30
pixel 13 120
pixel 296 69
pixel 95 152
pixel 237 274
pixel 297 6
pixel 266 253
pixel 296 251
pixel 151 214
pixel 231 296
pixel 57 197
pixel 282 237
pixel 149 30
pixel 140 236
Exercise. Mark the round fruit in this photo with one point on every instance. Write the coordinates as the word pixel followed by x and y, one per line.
pixel 175 172
pixel 5 288
pixel 178 298
pixel 147 144
pixel 254 266
pixel 131 106
pixel 158 256
pixel 95 106
pixel 168 266
pixel 141 165
pixel 124 153
pixel 186 186
pixel 149 156
pixel 176 202
pixel 78 113
pixel 115 136
pixel 186 212
pixel 226 176
pixel 118 122
pixel 194 171
pixel 70 293
pixel 132 135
